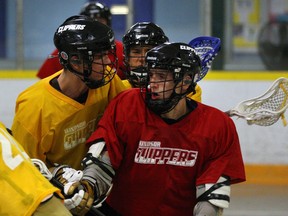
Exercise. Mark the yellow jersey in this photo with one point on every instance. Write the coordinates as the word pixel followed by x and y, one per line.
pixel 53 127
pixel 197 96
pixel 22 185
pixel 127 83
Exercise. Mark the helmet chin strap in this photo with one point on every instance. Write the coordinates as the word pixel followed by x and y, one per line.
pixel 163 106
pixel 77 73
pixel 84 77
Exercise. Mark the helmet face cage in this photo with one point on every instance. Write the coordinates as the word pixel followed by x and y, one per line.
pixel 138 76
pixel 141 34
pixel 82 40
pixel 179 59
pixel 105 72
pixel 96 10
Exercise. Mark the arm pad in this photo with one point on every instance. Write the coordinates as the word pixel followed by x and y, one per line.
pixel 98 171
pixel 217 194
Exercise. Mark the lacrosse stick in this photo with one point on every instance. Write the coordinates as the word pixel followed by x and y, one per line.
pixel 267 108
pixel 48 175
pixel 207 48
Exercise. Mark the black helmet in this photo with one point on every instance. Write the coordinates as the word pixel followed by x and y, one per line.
pixel 96 10
pixel 141 33
pixel 82 37
pixel 181 60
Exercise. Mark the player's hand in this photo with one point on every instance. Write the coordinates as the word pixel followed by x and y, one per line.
pixel 65 174
pixel 79 197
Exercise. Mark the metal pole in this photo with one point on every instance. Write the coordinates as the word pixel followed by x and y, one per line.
pixel 228 42
pixel 130 15
pixel 206 17
pixel 19 36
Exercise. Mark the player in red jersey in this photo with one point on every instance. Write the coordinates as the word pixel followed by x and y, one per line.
pixel 165 153
pixel 140 38
pixel 99 12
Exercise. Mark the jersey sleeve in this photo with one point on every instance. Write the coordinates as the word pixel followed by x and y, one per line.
pixel 23 186
pixel 107 130
pixel 27 140
pixel 26 126
pixel 225 158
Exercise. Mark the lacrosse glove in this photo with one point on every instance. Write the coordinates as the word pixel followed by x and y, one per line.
pixel 65 174
pixel 79 197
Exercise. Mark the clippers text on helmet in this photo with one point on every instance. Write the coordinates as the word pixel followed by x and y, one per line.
pixel 70 27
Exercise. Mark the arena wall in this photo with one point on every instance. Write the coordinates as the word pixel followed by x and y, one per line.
pixel 265 149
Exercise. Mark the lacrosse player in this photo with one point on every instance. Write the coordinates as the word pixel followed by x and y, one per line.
pixel 97 11
pixel 157 152
pixel 22 182
pixel 55 116
pixel 139 39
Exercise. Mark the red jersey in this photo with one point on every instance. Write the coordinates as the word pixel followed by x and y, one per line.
pixel 159 165
pixel 52 65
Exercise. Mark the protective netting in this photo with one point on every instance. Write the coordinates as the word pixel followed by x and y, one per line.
pixel 266 109
pixel 273 45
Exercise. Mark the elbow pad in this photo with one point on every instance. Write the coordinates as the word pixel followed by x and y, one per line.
pixel 217 194
pixel 98 171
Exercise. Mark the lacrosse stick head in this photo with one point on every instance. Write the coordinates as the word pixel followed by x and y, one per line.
pixel 207 48
pixel 266 109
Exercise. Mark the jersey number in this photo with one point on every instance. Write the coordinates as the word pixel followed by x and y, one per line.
pixel 6 145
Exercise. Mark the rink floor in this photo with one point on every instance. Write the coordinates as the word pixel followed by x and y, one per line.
pixel 258 200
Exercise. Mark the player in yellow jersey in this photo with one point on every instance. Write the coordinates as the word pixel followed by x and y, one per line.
pixel 56 115
pixel 139 39
pixel 95 10
pixel 21 181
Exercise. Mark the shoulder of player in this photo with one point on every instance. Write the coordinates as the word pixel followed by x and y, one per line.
pixel 129 95
pixel 126 83
pixel 211 110
pixel 36 93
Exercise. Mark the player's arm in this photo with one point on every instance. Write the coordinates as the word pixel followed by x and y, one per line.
pixel 213 198
pixel 98 171
pixel 53 207
pixel 27 140
pixel 96 181
pixel 66 178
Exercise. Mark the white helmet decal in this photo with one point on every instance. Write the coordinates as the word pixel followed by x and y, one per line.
pixel 70 27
